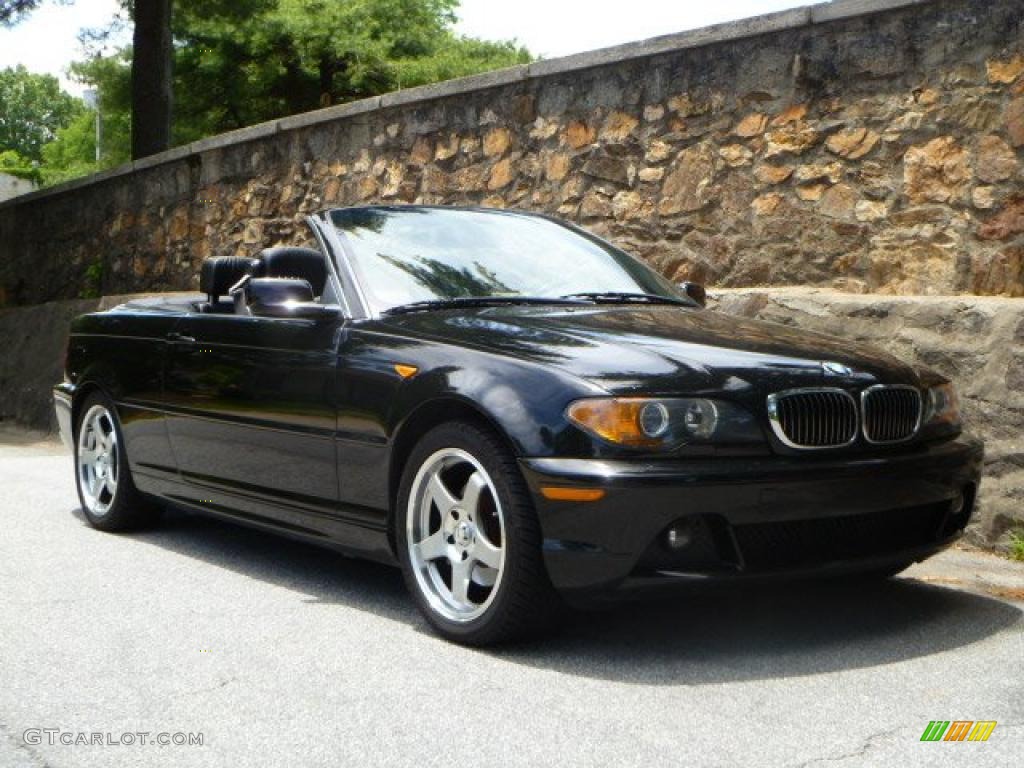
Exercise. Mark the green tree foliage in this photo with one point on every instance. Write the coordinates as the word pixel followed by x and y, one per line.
pixel 14 164
pixel 73 152
pixel 240 62
pixel 459 57
pixel 32 109
pixel 11 11
pixel 111 76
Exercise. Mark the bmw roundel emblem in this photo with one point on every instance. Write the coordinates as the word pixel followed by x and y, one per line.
pixel 836 369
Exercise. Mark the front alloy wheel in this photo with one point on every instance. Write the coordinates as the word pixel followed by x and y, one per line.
pixel 469 540
pixel 455 535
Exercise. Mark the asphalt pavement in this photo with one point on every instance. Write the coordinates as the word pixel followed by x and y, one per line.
pixel 276 653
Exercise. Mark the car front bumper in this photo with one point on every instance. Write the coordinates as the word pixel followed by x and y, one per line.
pixel 744 517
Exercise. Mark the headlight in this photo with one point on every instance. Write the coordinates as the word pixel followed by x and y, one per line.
pixel 640 422
pixel 942 410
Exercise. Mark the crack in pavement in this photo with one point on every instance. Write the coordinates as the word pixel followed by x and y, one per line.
pixel 868 743
pixel 861 751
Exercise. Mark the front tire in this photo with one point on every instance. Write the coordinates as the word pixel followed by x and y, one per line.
pixel 468 539
pixel 108 496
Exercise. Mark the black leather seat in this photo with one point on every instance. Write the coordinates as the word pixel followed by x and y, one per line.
pixel 302 263
pixel 218 275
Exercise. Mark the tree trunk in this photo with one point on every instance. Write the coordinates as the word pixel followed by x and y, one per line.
pixel 151 78
pixel 326 80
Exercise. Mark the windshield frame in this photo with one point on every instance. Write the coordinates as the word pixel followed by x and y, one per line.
pixel 352 277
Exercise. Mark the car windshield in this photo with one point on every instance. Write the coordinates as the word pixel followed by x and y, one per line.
pixel 405 255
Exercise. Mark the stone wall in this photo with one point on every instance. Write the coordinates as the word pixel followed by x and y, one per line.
pixel 862 145
pixel 35 339
pixel 978 342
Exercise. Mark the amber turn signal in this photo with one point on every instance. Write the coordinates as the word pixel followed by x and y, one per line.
pixel 617 420
pixel 556 493
pixel 405 371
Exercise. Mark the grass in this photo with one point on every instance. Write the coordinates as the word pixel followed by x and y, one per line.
pixel 93 284
pixel 1017 544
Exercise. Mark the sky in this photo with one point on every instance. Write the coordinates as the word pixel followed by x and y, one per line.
pixel 47 40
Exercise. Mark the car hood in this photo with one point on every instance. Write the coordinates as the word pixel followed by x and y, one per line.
pixel 660 349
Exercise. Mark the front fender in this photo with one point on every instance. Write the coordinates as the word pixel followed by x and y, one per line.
pixel 526 401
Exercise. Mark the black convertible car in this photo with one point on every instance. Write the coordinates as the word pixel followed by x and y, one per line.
pixel 516 412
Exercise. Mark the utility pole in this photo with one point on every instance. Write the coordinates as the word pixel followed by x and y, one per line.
pixel 91 97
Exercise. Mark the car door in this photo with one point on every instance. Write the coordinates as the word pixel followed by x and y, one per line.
pixel 250 404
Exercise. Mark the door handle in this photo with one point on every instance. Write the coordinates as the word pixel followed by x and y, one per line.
pixel 180 338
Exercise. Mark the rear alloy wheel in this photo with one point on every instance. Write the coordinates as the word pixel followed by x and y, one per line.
pixel 468 538
pixel 97 460
pixel 109 498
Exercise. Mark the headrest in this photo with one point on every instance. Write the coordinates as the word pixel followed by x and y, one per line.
pixel 303 263
pixel 218 275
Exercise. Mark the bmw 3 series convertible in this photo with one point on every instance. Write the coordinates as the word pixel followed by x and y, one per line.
pixel 517 413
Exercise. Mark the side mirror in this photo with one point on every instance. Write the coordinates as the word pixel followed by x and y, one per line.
pixel 299 310
pixel 279 297
pixel 695 291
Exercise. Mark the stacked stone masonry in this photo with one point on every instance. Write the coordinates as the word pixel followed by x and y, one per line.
pixel 866 146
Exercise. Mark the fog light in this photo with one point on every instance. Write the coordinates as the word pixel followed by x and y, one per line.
pixel 679 536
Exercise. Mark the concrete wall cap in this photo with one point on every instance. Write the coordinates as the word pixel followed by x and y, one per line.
pixel 241 136
pixel 844 9
pixel 329 114
pixel 433 91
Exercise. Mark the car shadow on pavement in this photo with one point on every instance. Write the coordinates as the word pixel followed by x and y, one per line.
pixel 323 575
pixel 690 636
pixel 721 633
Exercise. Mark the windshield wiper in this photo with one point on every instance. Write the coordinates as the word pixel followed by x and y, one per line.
pixel 477 301
pixel 618 297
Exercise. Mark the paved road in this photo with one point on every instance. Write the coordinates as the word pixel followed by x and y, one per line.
pixel 281 654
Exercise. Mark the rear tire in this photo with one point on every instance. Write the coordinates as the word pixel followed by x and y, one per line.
pixel 469 541
pixel 110 501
